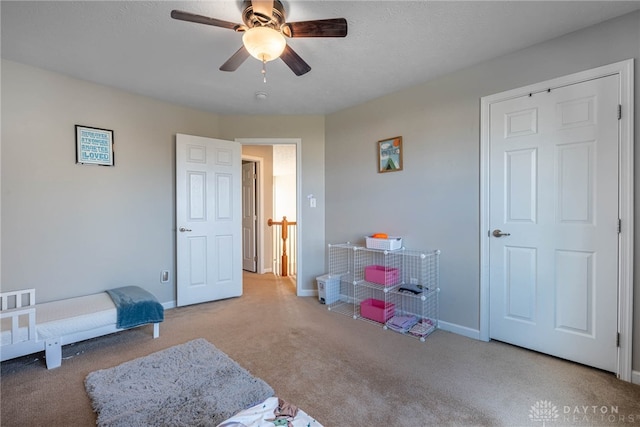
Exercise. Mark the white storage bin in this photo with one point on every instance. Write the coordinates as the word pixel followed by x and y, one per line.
pixel 390 244
pixel 328 288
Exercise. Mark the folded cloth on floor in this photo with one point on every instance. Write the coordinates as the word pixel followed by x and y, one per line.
pixel 285 412
pixel 262 415
pixel 422 328
pixel 401 323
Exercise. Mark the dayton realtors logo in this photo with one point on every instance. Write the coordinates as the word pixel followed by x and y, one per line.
pixel 545 411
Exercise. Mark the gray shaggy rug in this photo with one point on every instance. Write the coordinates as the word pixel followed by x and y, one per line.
pixel 192 384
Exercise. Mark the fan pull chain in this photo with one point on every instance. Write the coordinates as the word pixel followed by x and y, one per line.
pixel 264 71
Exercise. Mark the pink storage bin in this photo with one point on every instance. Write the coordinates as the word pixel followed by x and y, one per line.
pixel 381 275
pixel 375 309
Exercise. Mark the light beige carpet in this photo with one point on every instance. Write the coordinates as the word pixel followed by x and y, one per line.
pixel 343 372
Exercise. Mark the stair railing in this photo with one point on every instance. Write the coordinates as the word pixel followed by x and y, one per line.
pixel 284 241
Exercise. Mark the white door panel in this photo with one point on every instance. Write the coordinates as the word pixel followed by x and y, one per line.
pixel 208 219
pixel 249 217
pixel 554 190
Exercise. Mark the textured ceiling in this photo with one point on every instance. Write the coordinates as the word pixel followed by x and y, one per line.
pixel 137 47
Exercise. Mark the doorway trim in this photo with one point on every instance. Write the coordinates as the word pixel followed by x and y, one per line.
pixel 625 191
pixel 298 143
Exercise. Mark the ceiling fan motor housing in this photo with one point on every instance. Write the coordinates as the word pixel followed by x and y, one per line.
pixel 252 19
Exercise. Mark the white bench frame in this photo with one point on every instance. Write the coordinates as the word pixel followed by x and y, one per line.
pixel 21 304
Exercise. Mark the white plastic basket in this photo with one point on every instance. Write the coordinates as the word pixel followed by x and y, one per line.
pixel 390 244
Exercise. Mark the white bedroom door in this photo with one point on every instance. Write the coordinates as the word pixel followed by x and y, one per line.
pixel 554 222
pixel 208 219
pixel 249 217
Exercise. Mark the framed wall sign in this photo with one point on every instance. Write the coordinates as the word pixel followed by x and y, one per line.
pixel 390 154
pixel 94 146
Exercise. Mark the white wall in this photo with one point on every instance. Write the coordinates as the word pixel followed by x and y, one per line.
pixel 284 187
pixel 434 201
pixel 69 229
pixel 284 182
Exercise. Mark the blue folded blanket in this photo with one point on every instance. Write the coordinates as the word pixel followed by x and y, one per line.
pixel 135 307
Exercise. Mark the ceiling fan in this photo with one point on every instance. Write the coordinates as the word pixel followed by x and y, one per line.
pixel 265 29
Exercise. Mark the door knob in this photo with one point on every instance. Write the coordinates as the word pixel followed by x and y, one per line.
pixel 182 229
pixel 498 233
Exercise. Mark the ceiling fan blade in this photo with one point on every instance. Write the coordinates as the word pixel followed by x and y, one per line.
pixel 336 27
pixel 293 61
pixel 236 60
pixel 199 19
pixel 263 7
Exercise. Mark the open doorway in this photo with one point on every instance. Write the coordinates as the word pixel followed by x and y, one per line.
pixel 277 185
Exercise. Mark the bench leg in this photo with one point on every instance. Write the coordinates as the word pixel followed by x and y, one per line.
pixel 53 353
pixel 156 330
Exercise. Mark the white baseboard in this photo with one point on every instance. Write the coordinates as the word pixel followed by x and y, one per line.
pixel 635 377
pixel 169 304
pixel 460 330
pixel 307 293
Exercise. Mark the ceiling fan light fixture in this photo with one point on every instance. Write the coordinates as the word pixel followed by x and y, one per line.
pixel 264 43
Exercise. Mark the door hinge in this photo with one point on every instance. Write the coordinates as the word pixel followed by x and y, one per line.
pixel 618 339
pixel 619 226
pixel 619 111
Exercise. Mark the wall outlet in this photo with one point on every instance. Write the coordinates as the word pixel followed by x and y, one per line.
pixel 413 281
pixel 164 276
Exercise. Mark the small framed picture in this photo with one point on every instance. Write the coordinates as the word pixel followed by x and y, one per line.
pixel 390 155
pixel 94 146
